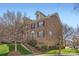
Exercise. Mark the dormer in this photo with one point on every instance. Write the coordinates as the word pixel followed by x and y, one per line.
pixel 39 15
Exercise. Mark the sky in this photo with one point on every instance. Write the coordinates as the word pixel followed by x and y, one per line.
pixel 65 11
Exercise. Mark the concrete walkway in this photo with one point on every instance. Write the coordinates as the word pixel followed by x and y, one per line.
pixel 58 55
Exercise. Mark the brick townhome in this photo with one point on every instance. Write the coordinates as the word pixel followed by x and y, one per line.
pixel 46 30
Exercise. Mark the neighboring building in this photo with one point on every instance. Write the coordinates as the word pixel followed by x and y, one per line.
pixel 73 43
pixel 76 41
pixel 46 30
pixel 69 43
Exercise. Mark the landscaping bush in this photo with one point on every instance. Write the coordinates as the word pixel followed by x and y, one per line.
pixel 11 47
pixel 44 47
pixel 50 47
pixel 4 49
pixel 53 48
pixel 32 43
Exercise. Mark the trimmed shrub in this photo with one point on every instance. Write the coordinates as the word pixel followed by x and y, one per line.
pixel 4 49
pixel 53 48
pixel 44 47
pixel 32 43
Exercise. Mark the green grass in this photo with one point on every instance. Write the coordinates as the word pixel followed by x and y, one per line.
pixel 63 51
pixel 4 49
pixel 68 51
pixel 7 48
pixel 21 49
pixel 11 47
pixel 52 52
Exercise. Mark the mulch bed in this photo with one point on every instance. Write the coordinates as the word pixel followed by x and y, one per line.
pixel 13 53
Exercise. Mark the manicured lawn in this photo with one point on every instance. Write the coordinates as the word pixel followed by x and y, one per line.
pixel 4 49
pixel 11 47
pixel 7 48
pixel 64 51
pixel 53 52
pixel 21 49
pixel 68 51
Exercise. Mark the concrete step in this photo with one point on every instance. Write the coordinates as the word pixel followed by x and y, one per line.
pixel 32 49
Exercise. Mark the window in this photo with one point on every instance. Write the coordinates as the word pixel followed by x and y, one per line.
pixel 41 34
pixel 41 24
pixel 32 26
pixel 28 26
pixel 33 34
pixel 38 16
pixel 50 33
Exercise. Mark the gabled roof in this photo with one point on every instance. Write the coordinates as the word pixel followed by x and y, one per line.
pixel 38 12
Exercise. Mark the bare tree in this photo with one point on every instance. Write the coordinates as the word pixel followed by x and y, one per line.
pixel 13 25
pixel 67 32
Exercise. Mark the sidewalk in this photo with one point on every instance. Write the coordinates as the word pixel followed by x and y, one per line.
pixel 58 55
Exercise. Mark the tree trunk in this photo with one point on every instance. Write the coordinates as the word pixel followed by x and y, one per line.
pixel 60 47
pixel 60 44
pixel 15 46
